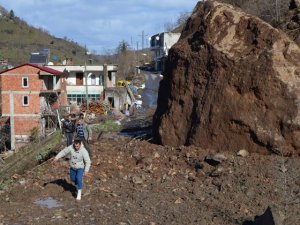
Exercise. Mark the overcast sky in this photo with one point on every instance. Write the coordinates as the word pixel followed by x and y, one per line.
pixel 100 24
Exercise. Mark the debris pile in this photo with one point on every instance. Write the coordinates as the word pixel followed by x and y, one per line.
pixel 97 107
pixel 136 182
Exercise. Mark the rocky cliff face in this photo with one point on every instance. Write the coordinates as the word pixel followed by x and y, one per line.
pixel 231 82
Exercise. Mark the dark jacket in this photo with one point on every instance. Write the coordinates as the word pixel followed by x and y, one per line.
pixel 68 126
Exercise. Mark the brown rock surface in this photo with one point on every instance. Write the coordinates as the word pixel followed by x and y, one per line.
pixel 231 82
pixel 174 186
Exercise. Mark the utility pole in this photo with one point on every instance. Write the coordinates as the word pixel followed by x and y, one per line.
pixel 143 39
pixel 86 80
pixel 137 52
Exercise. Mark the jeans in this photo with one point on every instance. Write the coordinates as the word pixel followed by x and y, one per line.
pixel 76 177
pixel 69 136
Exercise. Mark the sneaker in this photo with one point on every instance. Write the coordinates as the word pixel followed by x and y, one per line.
pixel 78 195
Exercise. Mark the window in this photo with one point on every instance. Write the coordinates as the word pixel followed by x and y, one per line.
pixel 25 100
pixel 109 75
pixel 25 83
pixel 101 80
pixel 93 78
pixel 81 98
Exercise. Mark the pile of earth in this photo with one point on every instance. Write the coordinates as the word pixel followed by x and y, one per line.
pixel 138 182
pixel 231 82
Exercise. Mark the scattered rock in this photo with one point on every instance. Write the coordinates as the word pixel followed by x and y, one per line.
pixel 215 159
pixel 136 180
pixel 178 201
pixel 242 153
pixel 156 155
pixel 217 172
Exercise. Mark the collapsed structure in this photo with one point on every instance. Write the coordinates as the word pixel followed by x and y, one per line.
pixel 231 82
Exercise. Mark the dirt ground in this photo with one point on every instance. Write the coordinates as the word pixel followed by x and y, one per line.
pixel 136 182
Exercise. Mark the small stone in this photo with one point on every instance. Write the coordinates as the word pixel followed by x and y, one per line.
pixel 217 172
pixel 191 177
pixel 242 153
pixel 215 159
pixel 22 182
pixel 250 193
pixel 178 201
pixel 137 180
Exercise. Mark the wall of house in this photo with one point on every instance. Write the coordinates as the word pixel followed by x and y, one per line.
pixel 12 85
pixel 169 40
pixel 160 45
pixel 32 109
pixel 25 117
pixel 23 127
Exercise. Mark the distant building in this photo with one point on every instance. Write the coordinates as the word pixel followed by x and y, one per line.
pixel 160 45
pixel 30 94
pixel 83 80
pixel 40 58
pixel 98 82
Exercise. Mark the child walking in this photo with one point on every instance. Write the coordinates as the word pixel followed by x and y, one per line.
pixel 79 163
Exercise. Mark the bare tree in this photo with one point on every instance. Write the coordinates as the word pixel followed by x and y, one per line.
pixel 271 11
pixel 179 24
pixel 126 60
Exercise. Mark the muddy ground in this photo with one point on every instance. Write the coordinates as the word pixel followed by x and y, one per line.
pixel 135 182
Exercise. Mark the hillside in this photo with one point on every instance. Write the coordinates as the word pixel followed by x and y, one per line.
pixel 18 40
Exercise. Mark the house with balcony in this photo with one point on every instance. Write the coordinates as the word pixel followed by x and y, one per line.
pixel 30 95
pixel 160 44
pixel 87 81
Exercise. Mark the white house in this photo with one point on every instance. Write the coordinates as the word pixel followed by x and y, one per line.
pixel 160 45
pixel 87 80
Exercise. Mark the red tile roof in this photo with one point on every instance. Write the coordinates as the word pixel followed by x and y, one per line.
pixel 42 68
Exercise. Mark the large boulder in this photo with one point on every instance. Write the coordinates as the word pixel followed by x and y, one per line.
pixel 231 82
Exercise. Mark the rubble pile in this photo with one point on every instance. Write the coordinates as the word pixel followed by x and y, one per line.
pixel 136 182
pixel 97 107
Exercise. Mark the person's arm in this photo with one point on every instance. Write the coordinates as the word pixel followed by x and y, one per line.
pixel 89 131
pixel 63 153
pixel 63 127
pixel 87 161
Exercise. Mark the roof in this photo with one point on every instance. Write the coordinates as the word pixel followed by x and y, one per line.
pixel 45 70
pixel 38 59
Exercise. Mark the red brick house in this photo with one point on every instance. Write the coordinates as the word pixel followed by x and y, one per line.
pixel 29 96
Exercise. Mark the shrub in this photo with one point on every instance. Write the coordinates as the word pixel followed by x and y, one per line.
pixel 107 126
pixel 34 134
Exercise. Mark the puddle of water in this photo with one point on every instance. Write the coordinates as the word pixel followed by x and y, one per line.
pixel 48 202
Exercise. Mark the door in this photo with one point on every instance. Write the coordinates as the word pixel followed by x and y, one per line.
pixel 79 78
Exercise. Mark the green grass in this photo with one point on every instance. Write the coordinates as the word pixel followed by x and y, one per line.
pixel 6 184
pixel 107 126
pixel 30 156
